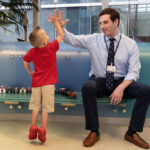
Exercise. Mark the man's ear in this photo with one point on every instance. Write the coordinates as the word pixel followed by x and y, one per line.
pixel 116 22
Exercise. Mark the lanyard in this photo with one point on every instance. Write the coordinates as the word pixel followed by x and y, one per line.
pixel 116 46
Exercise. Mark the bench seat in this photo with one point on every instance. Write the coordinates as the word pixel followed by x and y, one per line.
pixel 58 98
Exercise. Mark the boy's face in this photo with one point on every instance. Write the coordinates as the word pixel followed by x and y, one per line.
pixel 44 37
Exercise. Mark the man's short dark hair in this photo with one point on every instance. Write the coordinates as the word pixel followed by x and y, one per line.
pixel 112 12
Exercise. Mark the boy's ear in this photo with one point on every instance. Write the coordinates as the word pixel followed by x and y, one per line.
pixel 44 42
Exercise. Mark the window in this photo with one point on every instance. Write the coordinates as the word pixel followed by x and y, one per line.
pixel 84 18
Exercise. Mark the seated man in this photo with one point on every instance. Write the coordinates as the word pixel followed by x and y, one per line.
pixel 115 68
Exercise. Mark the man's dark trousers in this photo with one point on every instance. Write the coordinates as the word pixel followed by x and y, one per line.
pixel 95 87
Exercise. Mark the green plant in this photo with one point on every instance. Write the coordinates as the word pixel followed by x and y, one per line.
pixel 12 13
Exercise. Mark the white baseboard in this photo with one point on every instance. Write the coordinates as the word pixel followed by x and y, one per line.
pixel 68 118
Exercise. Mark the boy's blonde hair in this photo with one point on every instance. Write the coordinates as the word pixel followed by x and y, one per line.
pixel 34 37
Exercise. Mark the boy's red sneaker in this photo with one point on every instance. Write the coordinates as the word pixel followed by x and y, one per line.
pixel 42 134
pixel 33 132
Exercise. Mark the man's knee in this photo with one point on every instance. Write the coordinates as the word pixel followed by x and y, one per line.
pixel 89 86
pixel 144 90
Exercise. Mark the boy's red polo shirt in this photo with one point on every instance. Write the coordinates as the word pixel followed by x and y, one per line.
pixel 45 66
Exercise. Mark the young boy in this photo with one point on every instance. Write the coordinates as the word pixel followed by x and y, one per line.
pixel 43 56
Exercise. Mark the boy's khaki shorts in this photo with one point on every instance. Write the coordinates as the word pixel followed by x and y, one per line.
pixel 42 98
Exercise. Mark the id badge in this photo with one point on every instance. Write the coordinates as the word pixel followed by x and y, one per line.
pixel 111 68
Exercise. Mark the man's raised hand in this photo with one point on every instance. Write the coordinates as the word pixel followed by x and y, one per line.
pixel 60 18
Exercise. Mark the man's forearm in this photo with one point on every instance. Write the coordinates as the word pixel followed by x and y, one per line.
pixel 125 84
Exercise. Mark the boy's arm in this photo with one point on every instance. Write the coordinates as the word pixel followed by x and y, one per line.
pixel 54 19
pixel 27 67
pixel 59 31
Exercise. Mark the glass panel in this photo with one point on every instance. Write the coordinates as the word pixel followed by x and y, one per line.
pixel 122 0
pixel 123 10
pixel 65 1
pixel 47 1
pixel 95 27
pixel 79 20
pixel 140 22
pixel 73 14
pixel 84 20
pixel 96 0
pixel 73 1
pixel 47 26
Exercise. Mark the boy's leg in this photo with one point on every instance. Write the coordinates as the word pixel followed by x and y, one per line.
pixel 42 129
pixel 35 114
pixel 47 106
pixel 33 129
pixel 44 119
pixel 47 103
pixel 35 105
pixel 48 98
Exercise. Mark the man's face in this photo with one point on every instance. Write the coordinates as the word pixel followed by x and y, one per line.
pixel 108 27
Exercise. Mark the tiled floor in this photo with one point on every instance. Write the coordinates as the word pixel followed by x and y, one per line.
pixel 64 136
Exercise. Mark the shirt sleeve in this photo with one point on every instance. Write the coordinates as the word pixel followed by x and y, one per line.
pixel 134 65
pixel 28 56
pixel 54 45
pixel 78 41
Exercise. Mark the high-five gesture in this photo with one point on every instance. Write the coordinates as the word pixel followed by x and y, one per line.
pixel 59 16
pixel 54 19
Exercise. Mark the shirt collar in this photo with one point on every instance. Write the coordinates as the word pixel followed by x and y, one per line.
pixel 117 37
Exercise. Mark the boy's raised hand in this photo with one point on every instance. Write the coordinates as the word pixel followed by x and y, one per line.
pixel 57 17
pixel 53 18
